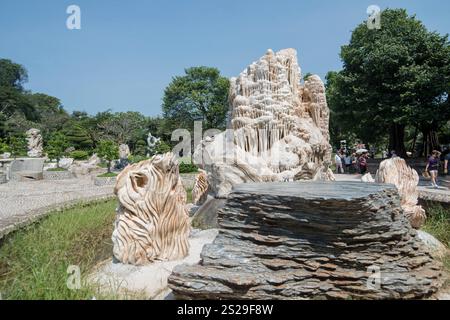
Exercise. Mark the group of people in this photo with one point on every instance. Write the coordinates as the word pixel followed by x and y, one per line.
pixel 351 162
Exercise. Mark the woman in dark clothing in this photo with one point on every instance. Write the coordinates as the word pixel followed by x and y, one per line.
pixel 433 168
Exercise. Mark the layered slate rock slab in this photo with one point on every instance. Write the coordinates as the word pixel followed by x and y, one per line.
pixel 311 240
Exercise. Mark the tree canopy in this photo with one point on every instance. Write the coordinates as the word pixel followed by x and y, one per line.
pixel 394 77
pixel 201 94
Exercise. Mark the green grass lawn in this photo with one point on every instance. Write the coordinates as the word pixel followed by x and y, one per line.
pixel 34 260
pixel 438 224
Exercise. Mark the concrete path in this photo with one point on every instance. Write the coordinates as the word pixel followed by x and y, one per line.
pixel 22 202
pixel 426 192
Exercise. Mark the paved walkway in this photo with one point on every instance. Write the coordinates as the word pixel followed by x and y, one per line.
pixel 22 202
pixel 426 192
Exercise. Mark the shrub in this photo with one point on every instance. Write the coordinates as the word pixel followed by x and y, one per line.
pixel 18 145
pixel 188 168
pixel 3 146
pixel 137 158
pixel 79 155
pixel 162 148
pixel 108 150
pixel 56 169
pixel 56 147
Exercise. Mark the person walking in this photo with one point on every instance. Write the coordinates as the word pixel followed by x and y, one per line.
pixel 338 161
pixel 433 167
pixel 446 161
pixel 348 163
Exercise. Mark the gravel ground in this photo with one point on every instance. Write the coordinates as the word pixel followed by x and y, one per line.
pixel 21 202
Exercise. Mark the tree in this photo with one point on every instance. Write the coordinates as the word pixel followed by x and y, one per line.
pixel 13 100
pixel 3 146
pixel 78 136
pixel 391 78
pixel 162 148
pixel 108 150
pixel 51 115
pixel 17 145
pixel 200 94
pixel 12 75
pixel 56 147
pixel 122 127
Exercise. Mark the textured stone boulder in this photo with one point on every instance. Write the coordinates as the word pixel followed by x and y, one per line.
pixel 277 125
pixel 312 240
pixel 35 143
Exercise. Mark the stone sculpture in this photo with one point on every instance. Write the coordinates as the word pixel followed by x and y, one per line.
pixel 367 178
pixel 277 125
pixel 200 189
pixel 315 172
pixel 124 151
pixel 35 143
pixel 82 168
pixel 324 173
pixel 311 240
pixel 152 223
pixel 152 142
pixel 406 179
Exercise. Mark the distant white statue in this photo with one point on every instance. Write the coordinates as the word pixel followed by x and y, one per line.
pixel 152 142
pixel 35 143
pixel 124 151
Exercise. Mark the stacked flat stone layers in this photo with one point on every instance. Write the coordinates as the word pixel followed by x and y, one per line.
pixel 311 240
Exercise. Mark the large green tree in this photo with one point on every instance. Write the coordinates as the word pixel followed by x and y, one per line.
pixel 392 77
pixel 201 94
pixel 122 127
pixel 14 101
pixel 51 115
pixel 12 75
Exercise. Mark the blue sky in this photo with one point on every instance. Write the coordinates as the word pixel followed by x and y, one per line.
pixel 127 51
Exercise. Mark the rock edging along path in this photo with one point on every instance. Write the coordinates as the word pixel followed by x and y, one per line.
pixel 308 240
pixel 22 203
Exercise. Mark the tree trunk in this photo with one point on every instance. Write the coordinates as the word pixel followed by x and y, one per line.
pixel 430 142
pixel 109 166
pixel 413 145
pixel 397 139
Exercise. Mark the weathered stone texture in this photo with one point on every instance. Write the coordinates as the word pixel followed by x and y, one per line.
pixel 277 125
pixel 152 223
pixel 311 240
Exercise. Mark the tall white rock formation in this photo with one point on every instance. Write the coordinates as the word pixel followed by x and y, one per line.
pixel 277 125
